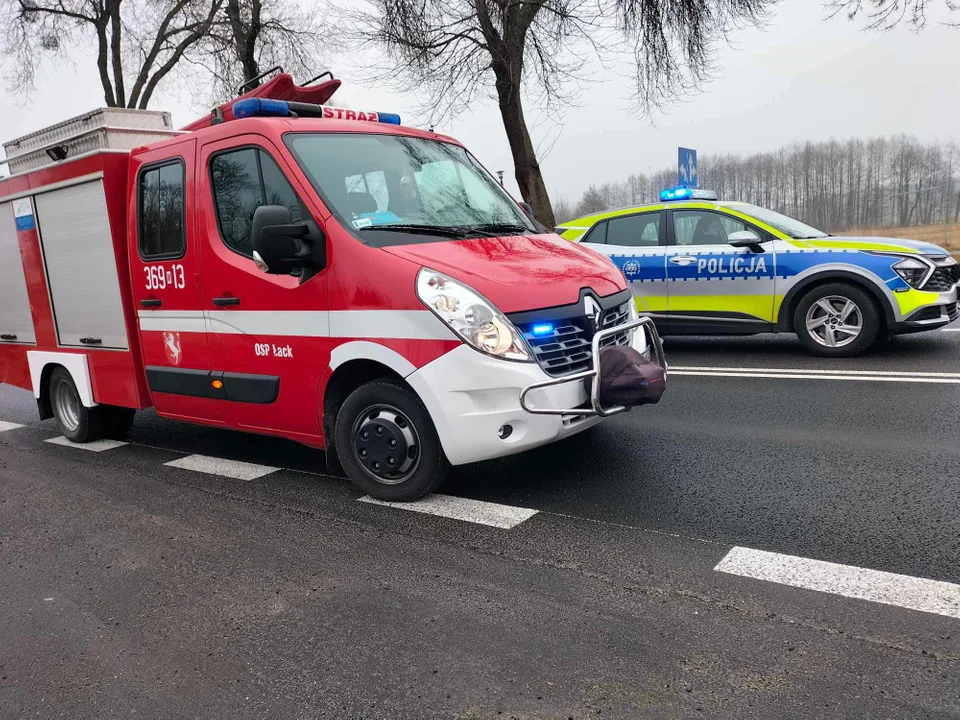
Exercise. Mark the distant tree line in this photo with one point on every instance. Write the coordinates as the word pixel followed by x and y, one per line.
pixel 832 185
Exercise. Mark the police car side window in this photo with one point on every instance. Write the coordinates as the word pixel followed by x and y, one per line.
pixel 702 227
pixel 634 230
pixel 161 212
pixel 243 180
pixel 597 234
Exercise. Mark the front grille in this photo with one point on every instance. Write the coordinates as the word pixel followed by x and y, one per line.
pixel 943 279
pixel 567 348
pixel 953 312
pixel 930 313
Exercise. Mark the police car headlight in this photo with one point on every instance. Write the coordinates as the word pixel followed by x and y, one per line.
pixel 471 316
pixel 913 271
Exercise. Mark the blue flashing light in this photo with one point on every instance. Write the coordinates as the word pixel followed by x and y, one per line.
pixel 390 118
pixel 685 193
pixel 542 329
pixel 260 107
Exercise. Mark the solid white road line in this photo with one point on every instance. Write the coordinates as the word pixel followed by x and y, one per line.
pixel 951 329
pixel 95 446
pixel 814 371
pixel 457 508
pixel 4 426
pixel 932 596
pixel 219 466
pixel 810 376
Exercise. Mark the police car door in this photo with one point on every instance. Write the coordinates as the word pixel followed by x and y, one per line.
pixel 712 286
pixel 635 243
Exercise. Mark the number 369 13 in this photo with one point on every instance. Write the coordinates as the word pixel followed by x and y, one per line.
pixel 160 278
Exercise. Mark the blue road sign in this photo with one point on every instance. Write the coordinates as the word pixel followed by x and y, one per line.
pixel 687 167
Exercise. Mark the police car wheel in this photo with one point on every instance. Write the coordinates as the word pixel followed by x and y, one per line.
pixel 837 320
pixel 77 423
pixel 387 443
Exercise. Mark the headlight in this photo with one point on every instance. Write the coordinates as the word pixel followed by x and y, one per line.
pixel 470 316
pixel 913 271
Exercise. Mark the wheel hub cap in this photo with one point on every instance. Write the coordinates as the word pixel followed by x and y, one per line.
pixel 386 444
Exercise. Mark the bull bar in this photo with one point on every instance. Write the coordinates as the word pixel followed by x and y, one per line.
pixel 596 408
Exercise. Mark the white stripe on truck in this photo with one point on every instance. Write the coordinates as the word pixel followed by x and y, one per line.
pixel 380 324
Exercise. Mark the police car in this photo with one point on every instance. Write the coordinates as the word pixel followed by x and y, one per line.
pixel 703 267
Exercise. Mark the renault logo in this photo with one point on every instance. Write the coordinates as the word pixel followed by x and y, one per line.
pixel 593 311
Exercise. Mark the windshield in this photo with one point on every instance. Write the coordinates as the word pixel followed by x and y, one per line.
pixel 392 189
pixel 793 228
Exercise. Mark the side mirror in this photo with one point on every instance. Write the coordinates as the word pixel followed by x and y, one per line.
pixel 277 243
pixel 528 211
pixel 745 238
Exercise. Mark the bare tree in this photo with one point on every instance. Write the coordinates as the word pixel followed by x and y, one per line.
pixel 833 185
pixel 887 14
pixel 138 42
pixel 249 37
pixel 455 49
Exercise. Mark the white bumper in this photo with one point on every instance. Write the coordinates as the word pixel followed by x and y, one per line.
pixel 470 396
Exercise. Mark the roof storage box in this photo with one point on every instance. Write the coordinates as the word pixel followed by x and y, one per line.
pixel 103 129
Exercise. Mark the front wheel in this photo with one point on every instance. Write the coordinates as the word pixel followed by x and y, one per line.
pixel 837 320
pixel 388 444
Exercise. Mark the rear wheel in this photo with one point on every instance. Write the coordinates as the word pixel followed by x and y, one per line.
pixel 77 423
pixel 837 320
pixel 387 442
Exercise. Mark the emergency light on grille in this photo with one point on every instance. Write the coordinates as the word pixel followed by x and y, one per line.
pixel 266 107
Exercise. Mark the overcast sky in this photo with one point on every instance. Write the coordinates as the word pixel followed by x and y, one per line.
pixel 798 78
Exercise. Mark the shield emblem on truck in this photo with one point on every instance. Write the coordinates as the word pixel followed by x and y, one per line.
pixel 171 346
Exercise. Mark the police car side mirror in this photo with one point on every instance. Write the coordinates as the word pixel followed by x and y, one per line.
pixel 745 238
pixel 278 247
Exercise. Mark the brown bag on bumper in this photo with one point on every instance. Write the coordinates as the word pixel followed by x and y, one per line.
pixel 627 378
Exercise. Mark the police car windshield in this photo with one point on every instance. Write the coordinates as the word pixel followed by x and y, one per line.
pixel 793 228
pixel 407 189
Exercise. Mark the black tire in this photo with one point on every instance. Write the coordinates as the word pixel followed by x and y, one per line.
pixel 865 310
pixel 77 423
pixel 403 420
pixel 118 421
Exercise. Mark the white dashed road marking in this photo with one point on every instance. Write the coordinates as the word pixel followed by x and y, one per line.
pixel 951 329
pixel 804 374
pixel 95 446
pixel 219 466
pixel 4 426
pixel 932 596
pixel 456 508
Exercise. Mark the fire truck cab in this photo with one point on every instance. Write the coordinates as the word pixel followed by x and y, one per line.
pixel 285 268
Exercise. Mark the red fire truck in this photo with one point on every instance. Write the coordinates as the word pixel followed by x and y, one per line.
pixel 288 268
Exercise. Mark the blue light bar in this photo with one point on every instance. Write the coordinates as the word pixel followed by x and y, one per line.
pixel 542 329
pixel 260 107
pixel 685 193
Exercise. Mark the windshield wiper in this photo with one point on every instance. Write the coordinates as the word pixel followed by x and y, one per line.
pixel 502 228
pixel 451 231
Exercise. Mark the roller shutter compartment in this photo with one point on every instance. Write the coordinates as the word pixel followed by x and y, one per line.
pixel 16 321
pixel 81 266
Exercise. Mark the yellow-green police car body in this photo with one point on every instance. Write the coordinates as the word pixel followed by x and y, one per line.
pixel 703 267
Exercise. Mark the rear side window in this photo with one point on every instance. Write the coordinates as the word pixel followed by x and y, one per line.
pixel 160 198
pixel 635 230
pixel 243 180
pixel 597 234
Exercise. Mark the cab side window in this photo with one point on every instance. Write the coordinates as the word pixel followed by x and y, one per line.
pixel 160 198
pixel 243 180
pixel 634 230
pixel 597 234
pixel 702 227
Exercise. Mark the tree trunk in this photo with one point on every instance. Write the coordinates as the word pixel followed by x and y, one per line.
pixel 525 165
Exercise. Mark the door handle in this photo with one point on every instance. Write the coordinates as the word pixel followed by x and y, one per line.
pixel 151 302
pixel 223 301
pixel 8 336
pixel 91 340
pixel 683 259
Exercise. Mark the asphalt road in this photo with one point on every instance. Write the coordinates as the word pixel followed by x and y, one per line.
pixel 131 587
